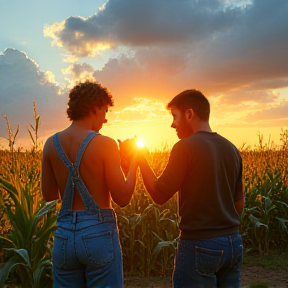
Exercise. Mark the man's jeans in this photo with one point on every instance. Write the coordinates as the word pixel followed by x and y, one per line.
pixel 207 263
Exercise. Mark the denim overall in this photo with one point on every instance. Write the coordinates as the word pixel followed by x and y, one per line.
pixel 86 250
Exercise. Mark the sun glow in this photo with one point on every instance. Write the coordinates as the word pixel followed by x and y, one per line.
pixel 140 143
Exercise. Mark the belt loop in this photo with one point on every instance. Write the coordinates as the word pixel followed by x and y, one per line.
pixel 74 217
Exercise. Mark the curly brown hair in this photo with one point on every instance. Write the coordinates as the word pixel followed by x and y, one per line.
pixel 84 96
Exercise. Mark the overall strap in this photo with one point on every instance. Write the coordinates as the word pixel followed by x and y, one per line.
pixel 68 195
pixel 86 141
pixel 87 199
pixel 60 150
pixel 74 178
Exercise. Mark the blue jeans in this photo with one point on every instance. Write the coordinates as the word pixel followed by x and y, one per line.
pixel 86 251
pixel 207 263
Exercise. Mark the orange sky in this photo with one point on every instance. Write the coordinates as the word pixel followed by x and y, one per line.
pixel 235 52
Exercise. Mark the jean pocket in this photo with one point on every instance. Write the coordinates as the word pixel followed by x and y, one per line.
pixel 59 251
pixel 207 260
pixel 99 248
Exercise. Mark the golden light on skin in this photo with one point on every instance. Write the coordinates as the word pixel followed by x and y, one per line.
pixel 140 143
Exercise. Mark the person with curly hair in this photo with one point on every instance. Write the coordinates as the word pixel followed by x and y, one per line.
pixel 82 168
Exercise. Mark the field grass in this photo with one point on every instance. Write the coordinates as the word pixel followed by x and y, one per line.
pixel 148 232
pixel 271 261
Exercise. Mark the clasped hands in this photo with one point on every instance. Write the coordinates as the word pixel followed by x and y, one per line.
pixel 130 151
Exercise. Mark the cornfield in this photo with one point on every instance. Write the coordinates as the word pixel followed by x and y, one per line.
pixel 148 232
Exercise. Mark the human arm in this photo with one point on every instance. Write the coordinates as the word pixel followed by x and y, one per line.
pixel 149 179
pixel 49 185
pixel 127 149
pixel 239 205
pixel 121 188
pixel 163 188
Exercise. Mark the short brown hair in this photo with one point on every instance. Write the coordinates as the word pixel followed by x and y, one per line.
pixel 192 99
pixel 86 95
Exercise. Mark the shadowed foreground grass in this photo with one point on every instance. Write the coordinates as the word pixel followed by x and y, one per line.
pixel 258 271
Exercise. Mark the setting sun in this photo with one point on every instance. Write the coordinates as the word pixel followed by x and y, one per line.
pixel 140 143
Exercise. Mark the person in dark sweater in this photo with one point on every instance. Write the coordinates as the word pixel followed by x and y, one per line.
pixel 206 171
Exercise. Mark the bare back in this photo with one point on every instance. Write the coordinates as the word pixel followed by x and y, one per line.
pixel 91 170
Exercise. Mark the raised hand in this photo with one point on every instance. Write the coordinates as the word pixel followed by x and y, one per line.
pixel 127 150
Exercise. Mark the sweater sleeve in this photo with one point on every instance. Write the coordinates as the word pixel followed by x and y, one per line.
pixel 175 172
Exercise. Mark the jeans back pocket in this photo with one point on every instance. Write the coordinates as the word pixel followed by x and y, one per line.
pixel 99 248
pixel 207 260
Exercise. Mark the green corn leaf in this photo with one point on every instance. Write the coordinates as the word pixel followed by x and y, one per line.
pixel 40 269
pixel 49 207
pixel 148 208
pixel 22 253
pixel 257 222
pixel 158 249
pixel 282 203
pixel 273 207
pixel 157 236
pixel 8 187
pixel 8 267
pixel 267 203
pixel 283 223
pixel 124 218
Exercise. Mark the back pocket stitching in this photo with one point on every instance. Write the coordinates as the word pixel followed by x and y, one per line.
pixel 92 259
pixel 213 252
pixel 64 240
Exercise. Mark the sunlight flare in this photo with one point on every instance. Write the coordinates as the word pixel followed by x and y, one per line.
pixel 140 143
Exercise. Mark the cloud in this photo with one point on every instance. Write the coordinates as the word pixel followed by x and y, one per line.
pixel 142 23
pixel 142 110
pixel 22 82
pixel 271 116
pixel 260 97
pixel 73 34
pixel 127 78
pixel 79 72
pixel 253 50
pixel 270 84
pixel 250 114
pixel 215 46
pixel 235 52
